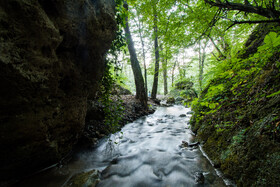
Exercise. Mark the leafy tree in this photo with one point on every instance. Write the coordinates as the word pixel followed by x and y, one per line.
pixel 138 78
pixel 139 24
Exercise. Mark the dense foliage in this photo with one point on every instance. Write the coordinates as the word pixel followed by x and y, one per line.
pixel 113 108
pixel 239 110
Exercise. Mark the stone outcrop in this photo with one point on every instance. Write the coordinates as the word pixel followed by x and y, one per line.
pixel 51 59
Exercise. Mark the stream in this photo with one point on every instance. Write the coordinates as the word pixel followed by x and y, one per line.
pixel 146 153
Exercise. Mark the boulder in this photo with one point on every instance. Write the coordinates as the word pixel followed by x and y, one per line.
pixel 184 85
pixel 51 59
pixel 183 92
pixel 190 112
pixel 170 100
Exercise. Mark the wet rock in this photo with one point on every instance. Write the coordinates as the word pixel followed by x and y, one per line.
pixel 184 144
pixel 85 179
pixel 192 145
pixel 190 112
pixel 157 101
pixel 51 59
pixel 199 178
pixel 114 161
pixel 150 124
pixel 183 115
pixel 161 120
pixel 169 116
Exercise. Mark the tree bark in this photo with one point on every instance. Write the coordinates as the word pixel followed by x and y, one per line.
pixel 248 8
pixel 143 51
pixel 155 83
pixel 173 71
pixel 202 56
pixel 165 77
pixel 164 70
pixel 221 55
pixel 138 78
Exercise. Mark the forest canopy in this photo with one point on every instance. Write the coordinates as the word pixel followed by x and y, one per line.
pixel 192 36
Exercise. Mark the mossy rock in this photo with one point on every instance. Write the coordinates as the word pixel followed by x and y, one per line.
pixel 183 89
pixel 182 85
pixel 84 179
pixel 170 100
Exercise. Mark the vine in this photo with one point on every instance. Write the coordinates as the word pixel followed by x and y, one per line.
pixel 113 108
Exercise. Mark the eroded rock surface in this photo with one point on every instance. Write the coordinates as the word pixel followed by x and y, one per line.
pixel 51 59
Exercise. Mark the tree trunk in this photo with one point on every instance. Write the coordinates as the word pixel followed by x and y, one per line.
pixel 138 78
pixel 155 83
pixel 221 55
pixel 202 56
pixel 165 76
pixel 143 51
pixel 173 71
pixel 164 70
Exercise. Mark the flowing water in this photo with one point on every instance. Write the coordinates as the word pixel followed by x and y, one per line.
pixel 146 153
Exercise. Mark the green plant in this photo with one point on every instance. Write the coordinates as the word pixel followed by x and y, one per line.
pixel 239 138
pixel 271 44
pixel 113 108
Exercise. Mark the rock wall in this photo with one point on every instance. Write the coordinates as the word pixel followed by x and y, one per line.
pixel 51 59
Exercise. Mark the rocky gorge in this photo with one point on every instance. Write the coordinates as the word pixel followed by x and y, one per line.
pixel 68 116
pixel 52 57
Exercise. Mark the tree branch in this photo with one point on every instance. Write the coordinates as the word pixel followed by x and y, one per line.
pixel 247 8
pixel 252 22
pixel 216 47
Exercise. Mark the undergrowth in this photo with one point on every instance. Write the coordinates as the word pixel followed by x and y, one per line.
pixel 237 115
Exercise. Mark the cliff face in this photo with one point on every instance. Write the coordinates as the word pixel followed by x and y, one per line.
pixel 51 59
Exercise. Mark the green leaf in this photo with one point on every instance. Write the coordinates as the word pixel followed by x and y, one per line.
pixel 275 93
pixel 272 40
pixel 212 106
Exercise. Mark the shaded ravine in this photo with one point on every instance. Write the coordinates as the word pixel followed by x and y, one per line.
pixel 147 152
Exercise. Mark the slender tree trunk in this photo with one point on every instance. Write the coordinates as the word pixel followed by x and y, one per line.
pixel 165 77
pixel 173 70
pixel 138 78
pixel 145 74
pixel 155 83
pixel 143 51
pixel 164 70
pixel 202 56
pixel 217 48
pixel 164 62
